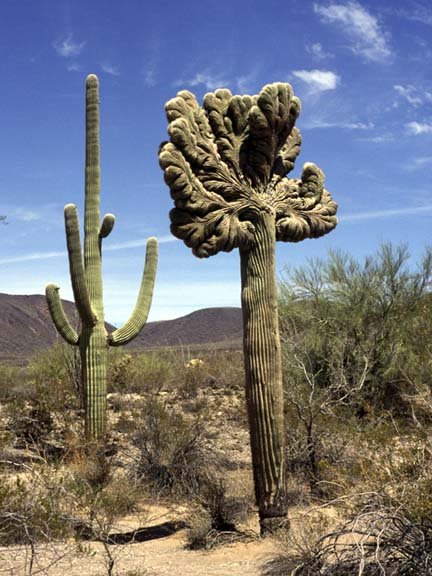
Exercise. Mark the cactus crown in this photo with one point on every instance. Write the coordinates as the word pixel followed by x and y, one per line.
pixel 227 161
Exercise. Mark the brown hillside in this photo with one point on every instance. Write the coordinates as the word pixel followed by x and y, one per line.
pixel 26 328
pixel 206 326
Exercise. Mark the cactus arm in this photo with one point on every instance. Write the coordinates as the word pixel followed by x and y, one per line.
pixel 76 266
pixel 107 225
pixel 58 315
pixel 138 317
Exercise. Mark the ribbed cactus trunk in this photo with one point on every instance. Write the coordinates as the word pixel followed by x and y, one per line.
pixel 262 356
pixel 93 341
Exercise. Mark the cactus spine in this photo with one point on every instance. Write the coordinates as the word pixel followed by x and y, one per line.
pixel 226 166
pixel 86 278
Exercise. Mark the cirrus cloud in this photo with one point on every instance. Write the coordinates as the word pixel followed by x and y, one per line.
pixel 366 35
pixel 67 48
pixel 417 128
pixel 318 80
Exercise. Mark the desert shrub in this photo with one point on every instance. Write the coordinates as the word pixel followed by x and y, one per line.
pixel 41 413
pixel 53 375
pixel 11 379
pixel 147 372
pixel 398 468
pixel 215 516
pixel 360 329
pixel 216 369
pixel 320 444
pixel 387 506
pixel 43 504
pixel 172 370
pixel 33 424
pixel 299 547
pixel 375 541
pixel 34 507
pixel 174 457
pixel 30 423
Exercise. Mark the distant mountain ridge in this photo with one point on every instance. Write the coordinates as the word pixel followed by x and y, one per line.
pixel 205 326
pixel 26 328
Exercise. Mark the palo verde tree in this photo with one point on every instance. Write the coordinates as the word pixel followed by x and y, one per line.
pixel 86 277
pixel 226 166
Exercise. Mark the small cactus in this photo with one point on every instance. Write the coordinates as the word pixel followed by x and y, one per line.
pixel 86 277
pixel 226 166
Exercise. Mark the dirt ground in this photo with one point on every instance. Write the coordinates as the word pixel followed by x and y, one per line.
pixel 159 555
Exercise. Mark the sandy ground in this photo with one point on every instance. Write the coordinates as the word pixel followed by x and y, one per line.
pixel 155 557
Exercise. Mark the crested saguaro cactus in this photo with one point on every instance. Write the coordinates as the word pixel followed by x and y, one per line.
pixel 86 277
pixel 226 166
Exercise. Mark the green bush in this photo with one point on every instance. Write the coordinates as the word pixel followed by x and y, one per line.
pixel 147 372
pixel 42 413
pixel 11 379
pixel 34 508
pixel 360 330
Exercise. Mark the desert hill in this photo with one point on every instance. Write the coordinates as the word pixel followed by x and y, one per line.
pixel 26 328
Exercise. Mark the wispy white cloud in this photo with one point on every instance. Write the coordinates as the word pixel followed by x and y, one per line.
pixel 31 256
pixel 413 95
pixel 417 128
pixel 109 69
pixel 150 75
pixel 211 81
pixel 26 215
pixel 317 51
pixel 418 12
pixel 150 69
pixel 366 35
pixel 417 163
pixel 67 47
pixel 246 83
pixel 376 214
pixel 378 139
pixel 315 123
pixel 318 80
pixel 21 214
pixel 423 161
pixel 107 248
pixel 137 243
pixel 73 67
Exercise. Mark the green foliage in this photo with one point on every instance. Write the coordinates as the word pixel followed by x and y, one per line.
pixel 360 330
pixel 53 375
pixel 11 379
pixel 41 412
pixel 33 508
pixel 154 371
pixel 141 373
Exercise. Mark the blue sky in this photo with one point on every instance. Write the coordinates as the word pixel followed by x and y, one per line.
pixel 363 71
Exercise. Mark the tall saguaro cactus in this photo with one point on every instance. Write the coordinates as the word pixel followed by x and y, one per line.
pixel 86 277
pixel 226 166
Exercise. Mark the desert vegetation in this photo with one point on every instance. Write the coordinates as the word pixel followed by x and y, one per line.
pixel 358 408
